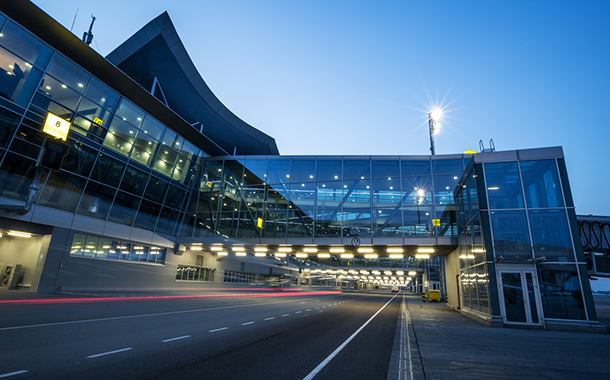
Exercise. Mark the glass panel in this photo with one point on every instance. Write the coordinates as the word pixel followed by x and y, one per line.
pixel 278 171
pixel 124 208
pixel 445 223
pixel 417 221
pixel 328 222
pixel 78 244
pixel 541 184
pixel 156 189
pixel 417 190
pixel 300 224
pixel 256 171
pixel 68 73
pixel 25 45
pixel 275 224
pixel 329 194
pixel 16 174
pixel 19 78
pixel 303 195
pixel 472 193
pixel 80 158
pixel 59 92
pixel 227 223
pixel 107 170
pixel 386 192
pixel 357 222
pixel 560 292
pixel 152 128
pixel 513 297
pixel 357 194
pixel 387 222
pixel 444 185
pixel 172 140
pixel 483 291
pixel 102 249
pixel 91 110
pixel 130 113
pixel 167 220
pixel 121 136
pixel 47 104
pixel 166 160
pixel 532 297
pixel 189 150
pixel 503 185
pixel 113 252
pixel 144 149
pixel 510 234
pixel 248 224
pixel 102 94
pixel 329 170
pixel 62 191
pixel 385 169
pixel 175 197
pixel 550 235
pixel 88 129
pixel 447 167
pixel 96 200
pixel 147 215
pixel 303 171
pixel 415 167
pixel 8 124
pixel 91 246
pixel 356 169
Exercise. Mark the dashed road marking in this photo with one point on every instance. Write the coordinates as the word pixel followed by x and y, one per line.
pixel 285 315
pixel 220 329
pixel 298 312
pixel 109 353
pixel 13 373
pixel 270 318
pixel 178 338
pixel 308 310
pixel 247 323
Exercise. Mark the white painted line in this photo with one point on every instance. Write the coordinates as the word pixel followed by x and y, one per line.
pixel 220 329
pixel 247 323
pixel 330 357
pixel 308 310
pixel 109 353
pixel 298 312
pixel 270 318
pixel 318 307
pixel 178 338
pixel 13 373
pixel 285 315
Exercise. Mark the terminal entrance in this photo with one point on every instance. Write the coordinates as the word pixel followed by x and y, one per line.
pixel 519 295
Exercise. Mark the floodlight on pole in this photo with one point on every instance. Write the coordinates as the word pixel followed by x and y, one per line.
pixel 433 118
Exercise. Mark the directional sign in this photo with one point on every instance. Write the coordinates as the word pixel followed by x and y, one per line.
pixel 356 242
pixel 56 126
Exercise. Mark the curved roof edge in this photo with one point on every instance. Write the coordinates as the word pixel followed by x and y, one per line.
pixel 163 27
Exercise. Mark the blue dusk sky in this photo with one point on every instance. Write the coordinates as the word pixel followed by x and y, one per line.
pixel 358 77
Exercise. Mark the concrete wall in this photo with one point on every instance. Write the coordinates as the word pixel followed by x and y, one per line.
pixel 452 270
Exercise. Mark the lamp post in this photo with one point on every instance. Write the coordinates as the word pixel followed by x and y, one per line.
pixel 433 118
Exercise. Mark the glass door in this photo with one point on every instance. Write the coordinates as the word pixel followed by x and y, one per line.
pixel 519 297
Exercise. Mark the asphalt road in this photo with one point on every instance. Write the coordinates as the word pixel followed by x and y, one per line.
pixel 203 338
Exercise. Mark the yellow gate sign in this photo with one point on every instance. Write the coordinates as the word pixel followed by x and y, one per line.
pixel 56 126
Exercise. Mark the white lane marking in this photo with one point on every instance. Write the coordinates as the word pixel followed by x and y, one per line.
pixel 405 365
pixel 318 307
pixel 247 323
pixel 13 373
pixel 220 329
pixel 308 310
pixel 330 357
pixel 173 339
pixel 298 312
pixel 285 315
pixel 270 318
pixel 109 353
pixel 140 315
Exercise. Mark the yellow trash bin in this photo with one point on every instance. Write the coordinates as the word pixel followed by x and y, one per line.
pixel 434 296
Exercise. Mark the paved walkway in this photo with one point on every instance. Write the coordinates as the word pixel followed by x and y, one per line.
pixel 447 345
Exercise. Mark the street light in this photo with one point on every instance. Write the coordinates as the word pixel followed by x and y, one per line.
pixel 433 120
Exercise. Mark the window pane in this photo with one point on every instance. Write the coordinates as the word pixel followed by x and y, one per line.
pixel 88 129
pixel 560 292
pixel 541 184
pixel 303 171
pixel 144 149
pixel 387 222
pixel 300 224
pixel 443 188
pixel 59 92
pixel 16 174
pixel 385 169
pixel 120 137
pixel 91 246
pixel 124 208
pixel 19 78
pixel 417 221
pixel 503 185
pixel 130 113
pixel 510 235
pixel 47 104
pixel 107 170
pixel 96 200
pixel 94 112
pixel 357 193
pixel 78 244
pixel 156 189
pixel 386 192
pixel 329 194
pixel 278 171
pixel 417 190
pixel 80 158
pixel 357 222
pixel 102 95
pixel 356 169
pixel 152 128
pixel 551 235
pixel 62 191
pixel 415 167
pixel 189 150
pixel 25 45
pixel 68 73
pixel 166 161
pixel 147 215
pixel 329 170
pixel 8 124
pixel 447 167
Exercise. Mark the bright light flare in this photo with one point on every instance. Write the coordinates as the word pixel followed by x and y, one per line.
pixel 436 114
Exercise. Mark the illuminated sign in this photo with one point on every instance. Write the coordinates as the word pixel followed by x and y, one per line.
pixel 98 121
pixel 470 152
pixel 259 223
pixel 56 126
pixel 436 222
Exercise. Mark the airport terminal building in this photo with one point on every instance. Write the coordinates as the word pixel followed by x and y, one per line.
pixel 163 188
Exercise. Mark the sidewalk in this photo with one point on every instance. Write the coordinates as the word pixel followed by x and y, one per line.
pixel 452 346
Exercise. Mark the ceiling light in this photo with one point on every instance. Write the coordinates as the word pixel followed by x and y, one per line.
pixel 347 256
pixel 19 234
pixel 370 256
pixel 216 248
pixel 260 254
pixel 310 250
pixel 412 273
pixel 394 250
pixel 422 256
pixel 387 272
pixel 260 249
pixel 222 253
pixel 396 256
pixel 238 249
pixel 400 273
pixel 280 254
pixel 425 250
pixel 337 250
pixel 365 250
pixel 324 255
pixel 364 272
pixel 301 255
pixel 196 248
pixel 240 253
pixel 284 250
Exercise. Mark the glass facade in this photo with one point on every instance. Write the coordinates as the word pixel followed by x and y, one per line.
pixel 95 247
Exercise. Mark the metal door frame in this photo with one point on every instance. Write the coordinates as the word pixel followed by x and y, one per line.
pixel 528 312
